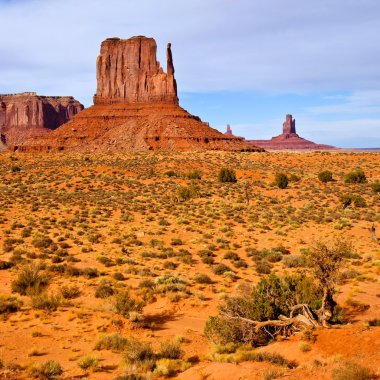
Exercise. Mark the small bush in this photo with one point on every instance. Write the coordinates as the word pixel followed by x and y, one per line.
pixel 227 175
pixel 125 304
pixel 5 265
pixel 47 302
pixel 89 362
pixel 171 173
pixel 9 304
pixel 219 269
pixel 357 176
pixel 139 353
pixel 376 187
pixel 201 278
pixel 171 350
pixel 70 292
pixel 46 371
pixel 30 281
pixel 325 176
pixel 114 342
pixel 352 371
pixel 104 290
pixel 185 193
pixel 194 174
pixel 281 180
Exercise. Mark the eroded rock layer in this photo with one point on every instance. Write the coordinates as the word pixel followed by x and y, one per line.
pixel 27 115
pixel 134 127
pixel 135 108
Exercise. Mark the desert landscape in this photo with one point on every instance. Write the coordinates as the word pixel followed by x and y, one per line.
pixel 102 249
pixel 139 242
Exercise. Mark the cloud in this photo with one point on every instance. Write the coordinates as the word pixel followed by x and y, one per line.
pixel 261 45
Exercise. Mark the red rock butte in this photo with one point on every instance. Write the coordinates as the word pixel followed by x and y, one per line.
pixel 135 108
pixel 289 139
pixel 28 115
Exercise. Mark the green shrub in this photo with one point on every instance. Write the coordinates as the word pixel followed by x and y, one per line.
pixel 9 304
pixel 352 371
pixel 104 290
pixel 89 362
pixel 139 354
pixel 281 180
pixel 355 199
pixel 114 342
pixel 171 173
pixel 70 292
pixel 5 265
pixel 47 302
pixel 227 175
pixel 30 280
pixel 46 371
pixel 220 269
pixel 171 350
pixel 194 174
pixel 125 304
pixel 325 176
pixel 185 193
pixel 201 278
pixel 357 176
pixel 375 187
pixel 257 306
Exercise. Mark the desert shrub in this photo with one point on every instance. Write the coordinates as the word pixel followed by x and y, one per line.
pixel 46 371
pixel 355 199
pixel 185 193
pixel 294 261
pixel 294 178
pixel 352 371
pixel 254 304
pixel 88 362
pixel 227 175
pixel 219 269
pixel 30 280
pixel 1 364
pixel 15 169
pixel 69 292
pixel 263 267
pixel 104 290
pixel 170 350
pixel 281 180
pixel 194 174
pixel 325 176
pixel 132 376
pixel 47 302
pixel 375 187
pixel 5 265
pixel 42 241
pixel 9 304
pixel 114 342
pixel 357 176
pixel 139 353
pixel 171 173
pixel 125 304
pixel 374 323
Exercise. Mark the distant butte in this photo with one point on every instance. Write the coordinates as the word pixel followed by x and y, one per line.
pixel 135 108
pixel 27 115
pixel 287 140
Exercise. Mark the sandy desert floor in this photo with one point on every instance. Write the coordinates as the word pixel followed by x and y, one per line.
pixel 97 227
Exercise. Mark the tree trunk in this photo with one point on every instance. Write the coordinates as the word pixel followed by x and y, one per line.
pixel 327 308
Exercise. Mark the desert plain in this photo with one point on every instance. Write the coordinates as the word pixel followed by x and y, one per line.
pixel 144 247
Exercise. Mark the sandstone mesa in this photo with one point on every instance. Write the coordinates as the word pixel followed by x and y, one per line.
pixel 28 115
pixel 135 108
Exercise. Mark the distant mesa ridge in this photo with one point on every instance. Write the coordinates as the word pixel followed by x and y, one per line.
pixel 135 108
pixel 287 140
pixel 27 115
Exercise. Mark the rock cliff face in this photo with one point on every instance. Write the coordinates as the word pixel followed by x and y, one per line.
pixel 289 139
pixel 27 115
pixel 128 72
pixel 135 108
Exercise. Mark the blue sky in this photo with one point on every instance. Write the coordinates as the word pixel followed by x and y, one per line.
pixel 242 62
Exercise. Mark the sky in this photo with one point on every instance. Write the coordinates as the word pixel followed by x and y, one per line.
pixel 246 63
